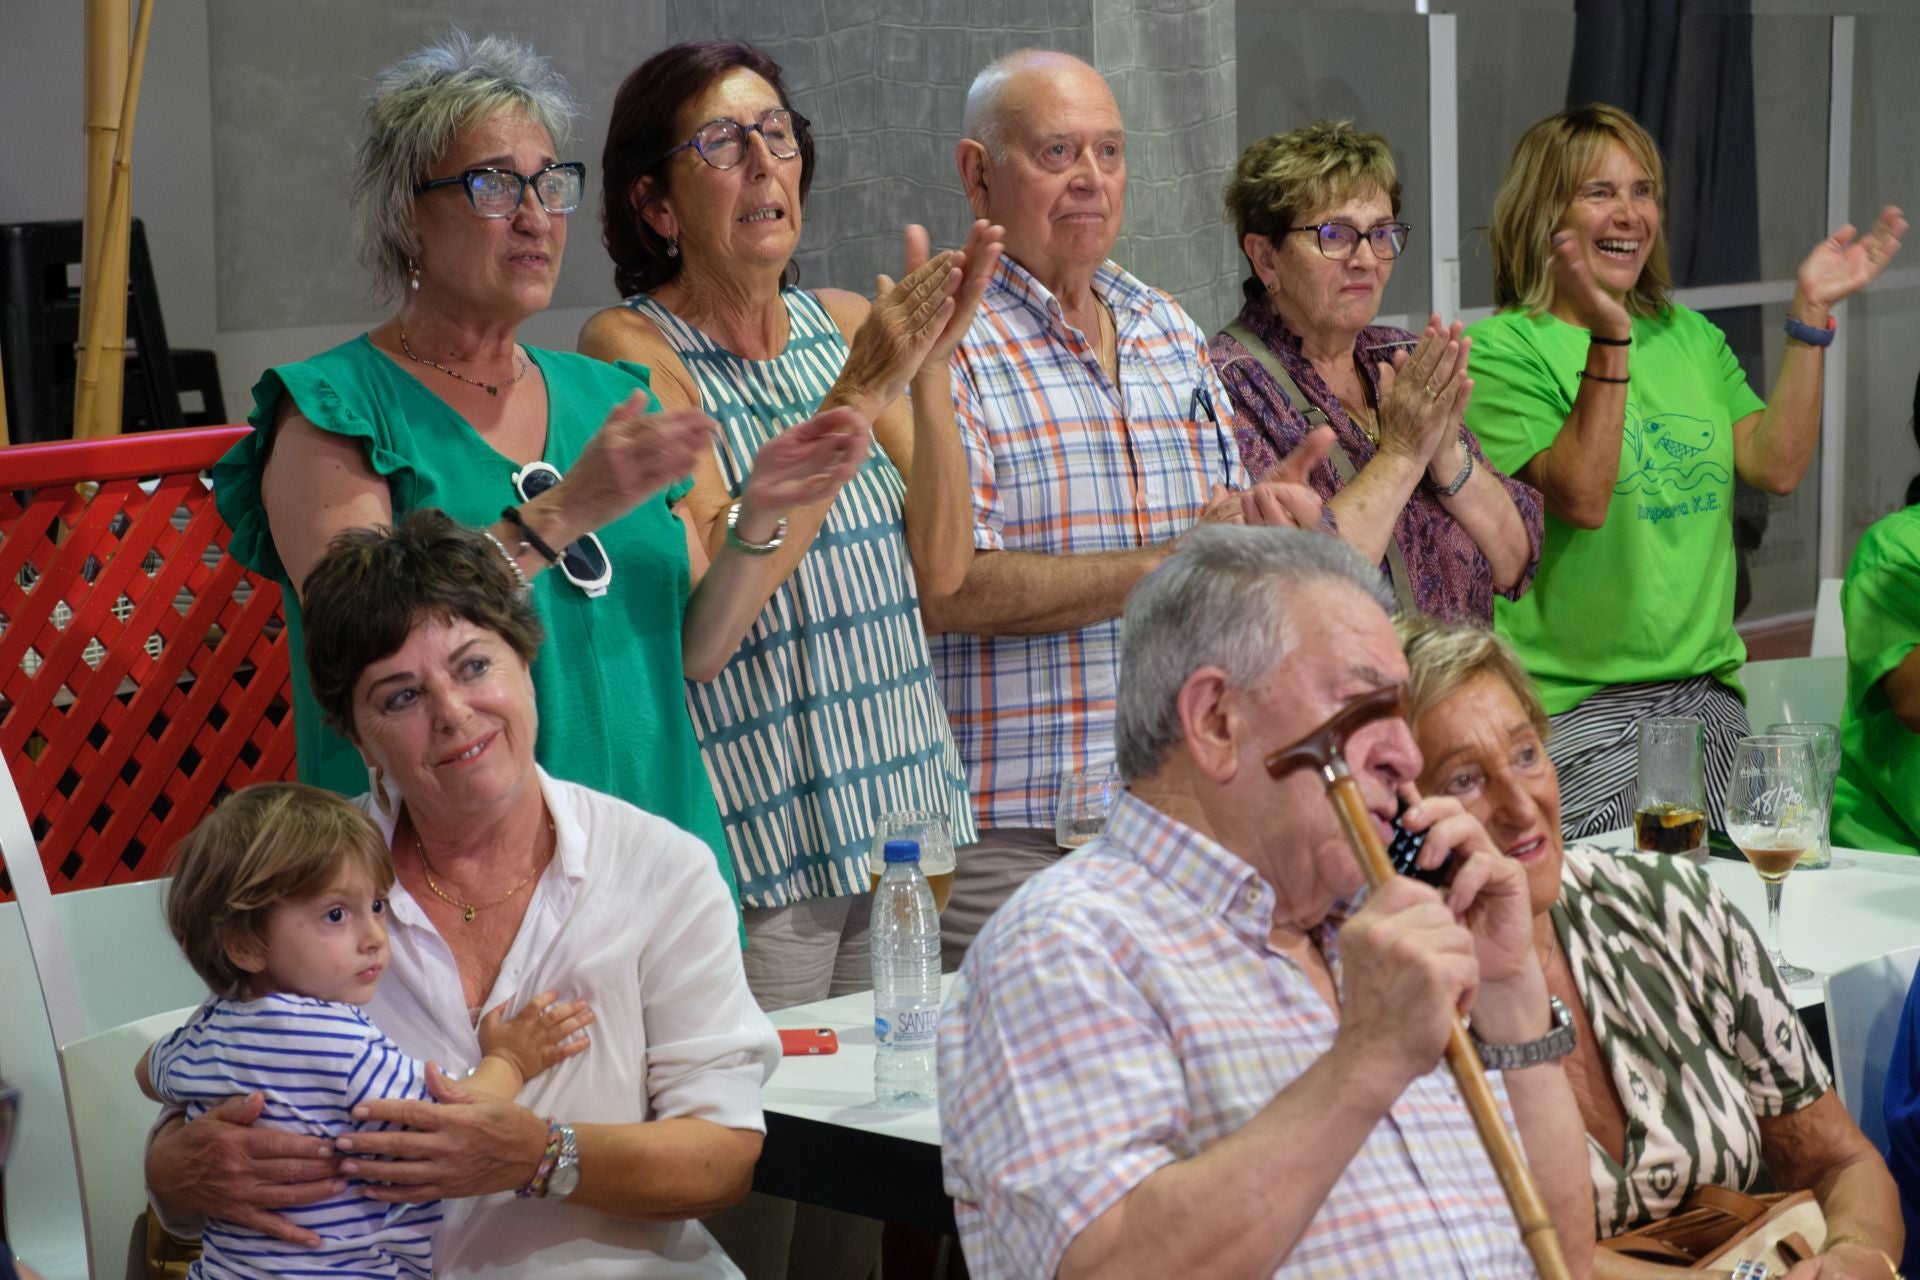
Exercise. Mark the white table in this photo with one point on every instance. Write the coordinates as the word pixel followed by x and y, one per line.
pixel 1863 906
pixel 829 1144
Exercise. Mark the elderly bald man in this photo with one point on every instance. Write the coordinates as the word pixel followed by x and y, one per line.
pixel 1097 434
pixel 1180 1052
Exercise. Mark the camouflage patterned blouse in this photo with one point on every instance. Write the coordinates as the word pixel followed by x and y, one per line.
pixel 1699 1033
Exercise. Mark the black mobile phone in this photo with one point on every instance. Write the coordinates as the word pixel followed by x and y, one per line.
pixel 1406 848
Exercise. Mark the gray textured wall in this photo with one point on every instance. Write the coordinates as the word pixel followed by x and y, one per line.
pixel 884 82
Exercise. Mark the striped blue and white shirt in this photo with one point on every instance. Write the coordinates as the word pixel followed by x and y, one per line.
pixel 828 716
pixel 314 1060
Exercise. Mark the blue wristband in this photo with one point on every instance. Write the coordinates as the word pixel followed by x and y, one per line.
pixel 1808 334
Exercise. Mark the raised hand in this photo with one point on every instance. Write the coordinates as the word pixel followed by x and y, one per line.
pixel 808 462
pixel 1843 264
pixel 634 455
pixel 542 1033
pixel 1573 283
pixel 906 320
pixel 977 262
pixel 1423 395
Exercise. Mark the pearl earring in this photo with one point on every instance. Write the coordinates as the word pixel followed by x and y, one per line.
pixel 413 275
pixel 673 247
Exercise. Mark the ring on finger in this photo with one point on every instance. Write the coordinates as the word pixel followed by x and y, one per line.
pixel 1432 392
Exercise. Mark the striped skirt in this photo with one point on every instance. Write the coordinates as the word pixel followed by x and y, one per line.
pixel 1595 748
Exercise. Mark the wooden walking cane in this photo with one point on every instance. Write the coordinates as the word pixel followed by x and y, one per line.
pixel 1325 750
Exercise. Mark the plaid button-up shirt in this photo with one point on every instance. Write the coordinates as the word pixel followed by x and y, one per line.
pixel 1064 460
pixel 1123 1011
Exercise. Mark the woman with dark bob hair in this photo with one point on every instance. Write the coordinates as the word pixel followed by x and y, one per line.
pixel 462 200
pixel 509 882
pixel 1631 416
pixel 828 717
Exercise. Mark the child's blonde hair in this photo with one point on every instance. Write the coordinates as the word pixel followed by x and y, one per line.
pixel 266 844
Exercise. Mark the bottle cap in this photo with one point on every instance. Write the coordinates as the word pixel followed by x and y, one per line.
pixel 902 851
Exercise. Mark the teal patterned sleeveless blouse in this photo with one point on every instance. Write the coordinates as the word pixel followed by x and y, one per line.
pixel 829 715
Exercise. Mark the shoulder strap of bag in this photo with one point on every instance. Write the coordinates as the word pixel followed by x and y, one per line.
pixel 1342 464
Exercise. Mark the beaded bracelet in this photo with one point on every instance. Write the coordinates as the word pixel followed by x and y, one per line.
pixel 537 1185
pixel 512 516
pixel 519 574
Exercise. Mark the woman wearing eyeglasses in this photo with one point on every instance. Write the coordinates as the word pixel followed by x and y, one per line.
pixel 1406 485
pixel 462 205
pixel 828 717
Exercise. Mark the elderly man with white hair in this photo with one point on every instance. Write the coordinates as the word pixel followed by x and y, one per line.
pixel 1180 1051
pixel 1097 434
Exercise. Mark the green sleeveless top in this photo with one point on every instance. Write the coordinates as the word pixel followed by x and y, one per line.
pixel 608 680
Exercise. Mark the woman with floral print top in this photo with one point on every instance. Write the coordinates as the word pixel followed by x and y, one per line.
pixel 1691 1066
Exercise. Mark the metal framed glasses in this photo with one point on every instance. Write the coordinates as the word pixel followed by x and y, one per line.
pixel 722 143
pixel 583 562
pixel 497 193
pixel 1338 240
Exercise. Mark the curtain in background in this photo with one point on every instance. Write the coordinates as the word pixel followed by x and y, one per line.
pixel 1684 69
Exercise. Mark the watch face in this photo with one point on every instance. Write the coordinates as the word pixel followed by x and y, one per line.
pixel 562 1181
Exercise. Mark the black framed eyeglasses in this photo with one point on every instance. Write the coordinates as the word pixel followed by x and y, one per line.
pixel 722 143
pixel 1338 240
pixel 583 562
pixel 497 193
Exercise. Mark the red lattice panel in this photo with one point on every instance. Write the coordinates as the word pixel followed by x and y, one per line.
pixel 143 671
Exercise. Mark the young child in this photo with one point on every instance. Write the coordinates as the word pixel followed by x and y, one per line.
pixel 278 901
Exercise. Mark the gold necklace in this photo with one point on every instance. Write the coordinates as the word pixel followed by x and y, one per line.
pixel 491 388
pixel 471 907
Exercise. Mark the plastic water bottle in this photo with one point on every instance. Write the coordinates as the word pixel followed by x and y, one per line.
pixel 905 941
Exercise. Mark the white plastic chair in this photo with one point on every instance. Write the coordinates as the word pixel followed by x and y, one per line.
pixel 1863 1013
pixel 1795 689
pixel 1829 624
pixel 111 1118
pixel 122 965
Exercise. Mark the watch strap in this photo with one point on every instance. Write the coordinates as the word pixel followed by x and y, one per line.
pixel 1808 334
pixel 1556 1044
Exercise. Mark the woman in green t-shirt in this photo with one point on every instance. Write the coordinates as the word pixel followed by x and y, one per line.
pixel 1876 803
pixel 1632 417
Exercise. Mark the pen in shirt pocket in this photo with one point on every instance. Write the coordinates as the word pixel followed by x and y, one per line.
pixel 1201 401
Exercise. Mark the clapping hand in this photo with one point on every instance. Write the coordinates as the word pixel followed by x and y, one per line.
pixel 906 320
pixel 1842 264
pixel 1284 499
pixel 977 262
pixel 808 462
pixel 1595 309
pixel 1424 395
pixel 634 455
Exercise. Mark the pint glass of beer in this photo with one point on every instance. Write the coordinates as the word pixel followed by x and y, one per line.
pixel 1670 808
pixel 929 828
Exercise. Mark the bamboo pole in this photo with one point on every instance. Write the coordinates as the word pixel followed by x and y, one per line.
pixel 103 373
pixel 106 78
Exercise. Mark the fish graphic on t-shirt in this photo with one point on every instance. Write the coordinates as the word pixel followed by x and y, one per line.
pixel 1667 452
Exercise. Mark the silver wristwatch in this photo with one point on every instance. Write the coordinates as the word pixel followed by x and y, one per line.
pixel 1551 1047
pixel 565 1178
